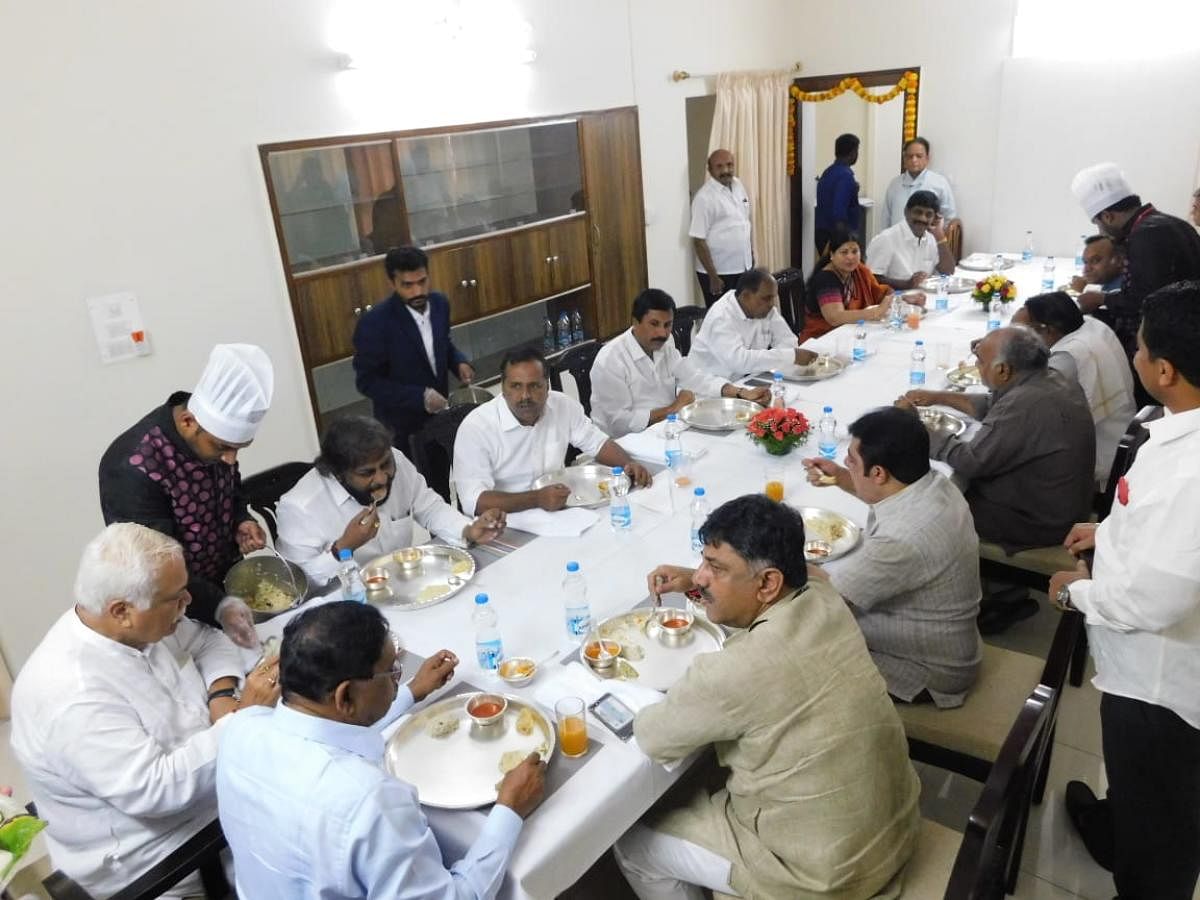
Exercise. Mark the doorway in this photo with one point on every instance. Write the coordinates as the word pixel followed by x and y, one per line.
pixel 700 111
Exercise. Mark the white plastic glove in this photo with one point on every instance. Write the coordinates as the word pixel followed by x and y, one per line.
pixel 237 622
pixel 434 402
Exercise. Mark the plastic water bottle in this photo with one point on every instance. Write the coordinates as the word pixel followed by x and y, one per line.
pixel 1079 254
pixel 564 330
pixel 577 334
pixel 619 512
pixel 778 394
pixel 700 513
pixel 998 262
pixel 859 353
pixel 549 342
pixel 674 449
pixel 1027 253
pixel 942 302
pixel 350 577
pixel 1048 274
pixel 578 615
pixel 916 368
pixel 896 314
pixel 994 314
pixel 827 434
pixel 489 649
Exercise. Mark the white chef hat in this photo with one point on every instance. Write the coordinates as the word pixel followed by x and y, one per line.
pixel 1100 186
pixel 234 392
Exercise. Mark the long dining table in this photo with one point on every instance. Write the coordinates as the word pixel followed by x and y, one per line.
pixel 585 814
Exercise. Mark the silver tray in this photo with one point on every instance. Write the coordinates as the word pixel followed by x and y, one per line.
pixel 588 484
pixel 661 664
pixel 942 422
pixel 979 262
pixel 243 578
pixel 719 413
pixel 461 770
pixel 818 370
pixel 832 528
pixel 955 284
pixel 964 377
pixel 412 587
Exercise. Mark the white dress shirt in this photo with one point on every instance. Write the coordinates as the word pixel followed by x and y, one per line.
pixel 897 253
pixel 904 186
pixel 1142 602
pixel 315 513
pixel 721 216
pixel 425 326
pixel 1093 356
pixel 493 451
pixel 730 344
pixel 627 384
pixel 117 746
pixel 332 823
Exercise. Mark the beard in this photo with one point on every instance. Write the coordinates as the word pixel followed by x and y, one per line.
pixel 364 497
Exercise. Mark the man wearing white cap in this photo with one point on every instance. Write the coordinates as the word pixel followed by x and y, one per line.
pixel 1159 249
pixel 176 471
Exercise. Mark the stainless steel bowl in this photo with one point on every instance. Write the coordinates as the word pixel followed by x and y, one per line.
pixel 243 579
pixel 467 394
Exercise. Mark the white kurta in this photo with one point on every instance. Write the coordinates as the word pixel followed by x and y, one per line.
pixel 897 253
pixel 117 746
pixel 721 216
pixel 904 186
pixel 493 451
pixel 730 344
pixel 627 384
pixel 314 513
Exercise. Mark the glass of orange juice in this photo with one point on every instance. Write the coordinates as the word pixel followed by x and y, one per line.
pixel 571 715
pixel 773 477
pixel 912 316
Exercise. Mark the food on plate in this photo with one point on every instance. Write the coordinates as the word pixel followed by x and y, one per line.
pixel 517 668
pixel 602 487
pixel 626 671
pixel 827 479
pixel 485 709
pixel 432 592
pixel 511 759
pixel 633 651
pixel 526 721
pixel 675 622
pixel 442 726
pixel 269 597
pixel 594 650
pixel 742 415
pixel 461 567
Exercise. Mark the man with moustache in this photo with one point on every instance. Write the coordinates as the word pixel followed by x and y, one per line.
pixel 917 176
pixel 639 378
pixel 908 252
pixel 721 229
pixel 505 444
pixel 363 495
pixel 403 355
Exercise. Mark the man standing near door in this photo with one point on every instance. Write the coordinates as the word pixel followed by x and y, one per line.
pixel 403 354
pixel 720 229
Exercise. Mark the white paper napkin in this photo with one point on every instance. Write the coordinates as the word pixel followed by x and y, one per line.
pixel 570 522
pixel 648 445
pixel 657 497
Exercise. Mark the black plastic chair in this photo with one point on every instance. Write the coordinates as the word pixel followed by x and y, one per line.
pixel 685 321
pixel 577 361
pixel 262 491
pixel 432 448
pixel 791 296
pixel 1131 442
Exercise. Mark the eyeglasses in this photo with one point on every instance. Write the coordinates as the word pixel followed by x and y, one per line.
pixel 396 673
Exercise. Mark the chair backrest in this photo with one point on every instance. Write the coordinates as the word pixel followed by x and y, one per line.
pixel 984 869
pixel 954 237
pixel 262 491
pixel 1131 442
pixel 685 322
pixel 791 296
pixel 577 361
pixel 432 448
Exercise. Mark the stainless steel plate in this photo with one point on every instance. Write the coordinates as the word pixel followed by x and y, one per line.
pixel 982 262
pixel 245 576
pixel 440 574
pixel 941 421
pixel 467 394
pixel 818 370
pixel 462 769
pixel 832 528
pixel 719 413
pixel 588 484
pixel 955 284
pixel 964 376
pixel 651 662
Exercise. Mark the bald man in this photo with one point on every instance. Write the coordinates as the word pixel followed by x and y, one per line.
pixel 720 229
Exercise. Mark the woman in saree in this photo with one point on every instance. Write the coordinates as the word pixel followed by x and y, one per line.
pixel 842 289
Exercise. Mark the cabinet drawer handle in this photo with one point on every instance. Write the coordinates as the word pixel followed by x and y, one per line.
pixel 555 257
pixel 473 282
pixel 463 283
pixel 549 259
pixel 358 311
pixel 369 307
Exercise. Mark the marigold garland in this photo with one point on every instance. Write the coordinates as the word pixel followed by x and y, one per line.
pixel 907 85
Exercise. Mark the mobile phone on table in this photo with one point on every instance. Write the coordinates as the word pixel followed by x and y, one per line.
pixel 614 715
pixel 757 382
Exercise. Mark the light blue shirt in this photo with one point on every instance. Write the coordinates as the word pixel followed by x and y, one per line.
pixel 904 186
pixel 311 814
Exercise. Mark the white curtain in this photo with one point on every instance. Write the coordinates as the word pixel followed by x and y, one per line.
pixel 750 121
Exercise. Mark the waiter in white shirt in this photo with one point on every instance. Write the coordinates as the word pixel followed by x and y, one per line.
pixel 363 495
pixel 744 334
pixel 639 377
pixel 917 176
pixel 117 713
pixel 1142 604
pixel 504 445
pixel 720 228
pixel 907 253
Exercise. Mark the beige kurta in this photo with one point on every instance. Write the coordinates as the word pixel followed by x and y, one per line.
pixel 821 800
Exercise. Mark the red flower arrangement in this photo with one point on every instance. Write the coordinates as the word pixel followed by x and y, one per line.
pixel 778 430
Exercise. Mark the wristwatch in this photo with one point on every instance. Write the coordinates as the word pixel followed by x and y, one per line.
pixel 234 692
pixel 1063 599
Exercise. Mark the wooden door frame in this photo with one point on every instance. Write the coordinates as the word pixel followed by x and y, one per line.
pixel 874 79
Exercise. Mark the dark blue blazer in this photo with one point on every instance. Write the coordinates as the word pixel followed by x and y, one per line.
pixel 390 365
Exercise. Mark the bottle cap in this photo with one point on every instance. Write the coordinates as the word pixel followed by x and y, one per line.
pixel 345 553
pixel 672 417
pixel 572 566
pixel 618 470
pixel 480 599
pixel 699 492
pixel 862 321
pixel 829 409
pixel 920 343
pixel 778 376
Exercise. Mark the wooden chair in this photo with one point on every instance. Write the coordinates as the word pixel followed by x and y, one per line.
pixel 687 318
pixel 954 237
pixel 432 448
pixel 200 853
pixel 262 491
pixel 576 360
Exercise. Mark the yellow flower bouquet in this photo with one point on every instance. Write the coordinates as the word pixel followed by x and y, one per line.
pixel 994 287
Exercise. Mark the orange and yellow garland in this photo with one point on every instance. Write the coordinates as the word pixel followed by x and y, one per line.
pixel 907 85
